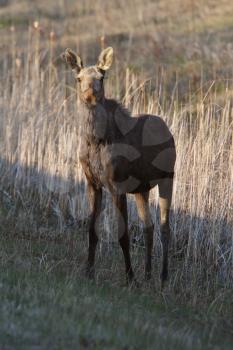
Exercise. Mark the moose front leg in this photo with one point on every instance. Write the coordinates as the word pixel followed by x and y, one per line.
pixel 123 236
pixel 94 199
pixel 165 196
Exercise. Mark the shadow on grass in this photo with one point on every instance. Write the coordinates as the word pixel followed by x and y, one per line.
pixel 36 205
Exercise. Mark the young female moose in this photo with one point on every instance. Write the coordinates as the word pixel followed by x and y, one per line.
pixel 125 155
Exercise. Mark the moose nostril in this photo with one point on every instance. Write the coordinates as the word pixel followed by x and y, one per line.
pixel 88 92
pixel 88 97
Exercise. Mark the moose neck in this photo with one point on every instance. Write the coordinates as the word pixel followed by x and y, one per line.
pixel 95 123
pixel 107 122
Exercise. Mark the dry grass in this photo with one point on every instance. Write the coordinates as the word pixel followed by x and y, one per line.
pixel 42 186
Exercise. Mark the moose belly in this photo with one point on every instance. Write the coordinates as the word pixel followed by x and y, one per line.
pixel 122 177
pixel 128 171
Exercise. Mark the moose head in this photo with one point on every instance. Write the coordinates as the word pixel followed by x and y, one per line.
pixel 90 79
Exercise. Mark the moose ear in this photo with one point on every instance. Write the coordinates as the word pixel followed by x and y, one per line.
pixel 105 59
pixel 73 60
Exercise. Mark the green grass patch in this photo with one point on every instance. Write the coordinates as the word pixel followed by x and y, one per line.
pixel 46 303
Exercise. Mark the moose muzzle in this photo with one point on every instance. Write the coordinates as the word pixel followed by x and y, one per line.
pixel 89 97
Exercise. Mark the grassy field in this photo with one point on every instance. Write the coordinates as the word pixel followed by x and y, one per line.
pixel 178 67
pixel 47 304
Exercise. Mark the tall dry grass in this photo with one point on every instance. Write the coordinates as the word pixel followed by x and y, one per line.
pixel 42 184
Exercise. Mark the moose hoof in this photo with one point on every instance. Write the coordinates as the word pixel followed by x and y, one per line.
pixel 148 275
pixel 90 272
pixel 164 277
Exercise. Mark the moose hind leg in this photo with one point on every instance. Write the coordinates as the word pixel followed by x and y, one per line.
pixel 165 196
pixel 123 236
pixel 145 215
pixel 95 199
